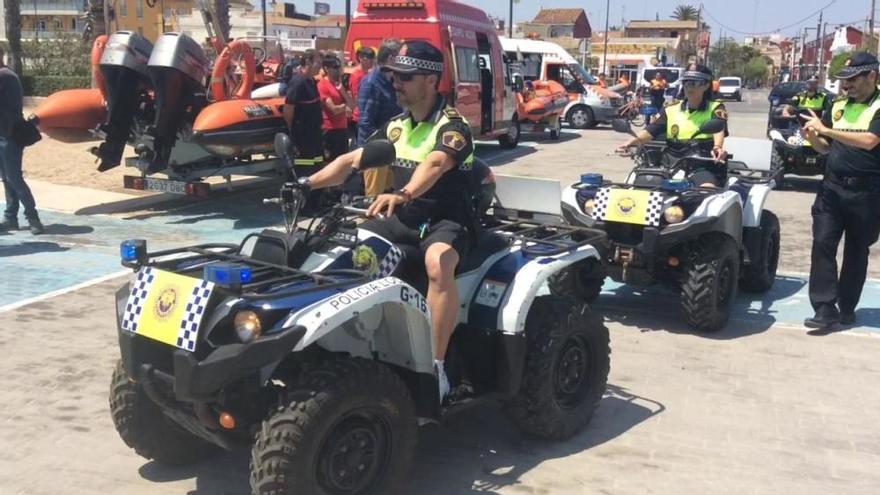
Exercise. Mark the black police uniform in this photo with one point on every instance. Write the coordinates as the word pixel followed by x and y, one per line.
pixel 848 202
pixel 445 213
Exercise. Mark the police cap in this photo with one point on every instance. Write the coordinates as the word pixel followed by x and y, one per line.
pixel 416 57
pixel 857 64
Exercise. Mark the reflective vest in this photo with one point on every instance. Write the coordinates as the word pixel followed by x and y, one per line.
pixel 682 125
pixel 855 117
pixel 452 195
pixel 816 102
pixel 413 145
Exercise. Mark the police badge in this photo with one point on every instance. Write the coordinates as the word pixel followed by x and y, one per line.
pixel 394 134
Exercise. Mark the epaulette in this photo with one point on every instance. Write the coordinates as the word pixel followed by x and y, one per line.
pixel 452 114
pixel 839 98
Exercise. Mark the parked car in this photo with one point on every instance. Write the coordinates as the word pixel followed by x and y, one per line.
pixel 730 88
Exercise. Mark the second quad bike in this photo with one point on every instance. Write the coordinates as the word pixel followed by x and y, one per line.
pixel 703 242
pixel 314 345
pixel 791 153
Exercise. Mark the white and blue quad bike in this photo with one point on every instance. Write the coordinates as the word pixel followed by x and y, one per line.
pixel 314 346
pixel 700 241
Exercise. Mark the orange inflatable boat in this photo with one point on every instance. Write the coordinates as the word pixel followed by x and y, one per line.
pixel 237 127
pixel 541 99
pixel 70 114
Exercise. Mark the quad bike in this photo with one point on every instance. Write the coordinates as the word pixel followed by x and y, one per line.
pixel 791 153
pixel 314 345
pixel 700 241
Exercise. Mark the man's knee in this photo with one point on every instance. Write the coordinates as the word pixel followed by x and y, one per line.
pixel 440 262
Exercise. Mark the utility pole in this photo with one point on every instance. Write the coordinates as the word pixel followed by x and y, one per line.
pixel 822 56
pixel 819 49
pixel 605 53
pixel 510 20
pixel 873 43
pixel 699 33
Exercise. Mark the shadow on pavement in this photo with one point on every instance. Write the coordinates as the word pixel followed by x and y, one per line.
pixel 498 156
pixel 62 229
pixel 473 452
pixel 30 247
pixel 477 452
pixel 657 309
pixel 802 184
pixel 246 211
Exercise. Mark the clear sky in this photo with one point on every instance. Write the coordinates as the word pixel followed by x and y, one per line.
pixel 744 16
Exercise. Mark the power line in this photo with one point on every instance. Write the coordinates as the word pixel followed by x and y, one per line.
pixel 798 23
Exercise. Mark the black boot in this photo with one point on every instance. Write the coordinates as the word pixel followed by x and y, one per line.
pixel 9 223
pixel 35 225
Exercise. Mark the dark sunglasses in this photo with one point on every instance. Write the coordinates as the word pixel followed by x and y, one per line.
pixel 692 84
pixel 404 77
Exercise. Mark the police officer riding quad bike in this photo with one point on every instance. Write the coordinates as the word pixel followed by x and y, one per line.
pixel 314 345
pixel 700 241
pixel 791 152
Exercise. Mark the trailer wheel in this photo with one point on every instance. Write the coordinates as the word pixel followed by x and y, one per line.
pixel 511 139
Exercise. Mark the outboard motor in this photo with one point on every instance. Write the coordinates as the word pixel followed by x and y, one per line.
pixel 178 68
pixel 124 67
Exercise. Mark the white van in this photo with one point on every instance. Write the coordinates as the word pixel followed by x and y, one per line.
pixel 589 104
pixel 673 79
pixel 730 88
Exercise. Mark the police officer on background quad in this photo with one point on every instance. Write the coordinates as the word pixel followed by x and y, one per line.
pixel 848 200
pixel 681 122
pixel 430 206
pixel 809 99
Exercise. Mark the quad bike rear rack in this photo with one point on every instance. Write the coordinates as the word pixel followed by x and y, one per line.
pixel 549 239
pixel 265 276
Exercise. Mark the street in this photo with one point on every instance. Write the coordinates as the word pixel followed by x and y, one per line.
pixel 760 407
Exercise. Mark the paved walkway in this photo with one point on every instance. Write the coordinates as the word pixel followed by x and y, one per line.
pixel 753 410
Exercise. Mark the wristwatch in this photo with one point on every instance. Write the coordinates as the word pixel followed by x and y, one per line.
pixel 305 183
pixel 406 194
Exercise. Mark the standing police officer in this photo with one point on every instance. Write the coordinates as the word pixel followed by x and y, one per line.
pixel 849 197
pixel 430 207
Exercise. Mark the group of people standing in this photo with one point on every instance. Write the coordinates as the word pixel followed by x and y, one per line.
pixel 325 118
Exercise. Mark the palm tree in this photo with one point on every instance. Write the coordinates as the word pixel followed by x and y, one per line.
pixel 13 34
pixel 685 12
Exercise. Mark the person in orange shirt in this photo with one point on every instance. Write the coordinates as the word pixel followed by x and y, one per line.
pixel 602 83
pixel 658 89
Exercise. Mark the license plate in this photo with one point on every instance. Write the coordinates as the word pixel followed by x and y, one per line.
pixel 638 207
pixel 164 185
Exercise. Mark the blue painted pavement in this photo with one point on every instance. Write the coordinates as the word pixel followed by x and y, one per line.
pixel 76 249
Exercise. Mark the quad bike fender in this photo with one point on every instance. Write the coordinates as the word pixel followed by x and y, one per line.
pixel 505 293
pixel 719 212
pixel 387 318
pixel 754 205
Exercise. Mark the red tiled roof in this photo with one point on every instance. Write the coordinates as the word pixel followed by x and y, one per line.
pixel 557 16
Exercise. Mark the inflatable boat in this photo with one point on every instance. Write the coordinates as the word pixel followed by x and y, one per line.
pixel 540 100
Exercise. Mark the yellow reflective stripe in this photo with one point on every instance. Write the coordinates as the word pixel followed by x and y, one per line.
pixel 309 161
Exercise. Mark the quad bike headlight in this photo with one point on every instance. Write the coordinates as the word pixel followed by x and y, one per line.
pixel 247 325
pixel 674 214
pixel 588 207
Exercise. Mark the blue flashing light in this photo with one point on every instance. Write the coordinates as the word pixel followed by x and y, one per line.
pixel 228 274
pixel 594 180
pixel 675 185
pixel 133 251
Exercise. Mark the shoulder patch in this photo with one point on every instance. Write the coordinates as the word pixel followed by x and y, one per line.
pixel 454 140
pixel 451 113
pixel 394 134
pixel 721 113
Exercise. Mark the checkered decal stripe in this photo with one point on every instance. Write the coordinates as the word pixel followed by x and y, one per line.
pixel 654 210
pixel 195 308
pixel 600 203
pixel 419 63
pixel 135 305
pixel 404 163
pixel 389 262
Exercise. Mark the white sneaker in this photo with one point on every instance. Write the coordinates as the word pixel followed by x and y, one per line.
pixel 442 381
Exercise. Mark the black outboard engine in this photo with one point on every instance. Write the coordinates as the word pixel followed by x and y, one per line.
pixel 124 67
pixel 178 68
